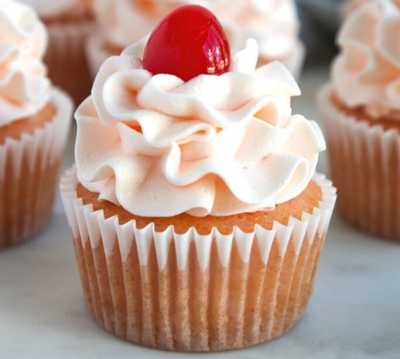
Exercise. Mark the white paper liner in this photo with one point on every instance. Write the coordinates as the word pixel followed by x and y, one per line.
pixel 97 53
pixel 28 174
pixel 66 58
pixel 365 166
pixel 196 292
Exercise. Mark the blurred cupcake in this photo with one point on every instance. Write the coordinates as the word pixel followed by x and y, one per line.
pixel 361 107
pixel 196 213
pixel 351 5
pixel 273 23
pixel 68 22
pixel 34 121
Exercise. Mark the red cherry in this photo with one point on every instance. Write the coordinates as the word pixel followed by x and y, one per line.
pixel 188 42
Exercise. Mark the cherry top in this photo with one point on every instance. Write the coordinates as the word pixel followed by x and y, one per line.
pixel 187 43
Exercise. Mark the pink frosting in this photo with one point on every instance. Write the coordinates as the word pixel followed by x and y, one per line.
pixel 24 87
pixel 367 71
pixel 216 145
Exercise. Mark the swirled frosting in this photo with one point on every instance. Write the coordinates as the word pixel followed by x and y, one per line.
pixel 273 23
pixel 367 71
pixel 216 145
pixel 50 8
pixel 24 87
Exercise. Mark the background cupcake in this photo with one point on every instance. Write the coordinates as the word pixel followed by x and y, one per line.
pixel 34 120
pixel 351 5
pixel 361 107
pixel 273 23
pixel 199 198
pixel 68 22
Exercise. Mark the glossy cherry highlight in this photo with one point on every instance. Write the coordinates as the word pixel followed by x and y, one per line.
pixel 187 43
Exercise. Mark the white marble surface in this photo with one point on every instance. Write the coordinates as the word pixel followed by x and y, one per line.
pixel 355 311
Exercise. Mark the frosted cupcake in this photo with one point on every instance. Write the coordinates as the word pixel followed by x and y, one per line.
pixel 34 120
pixel 351 5
pixel 68 22
pixel 361 107
pixel 196 213
pixel 274 24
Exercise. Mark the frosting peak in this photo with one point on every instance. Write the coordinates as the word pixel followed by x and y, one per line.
pixel 367 71
pixel 24 87
pixel 215 145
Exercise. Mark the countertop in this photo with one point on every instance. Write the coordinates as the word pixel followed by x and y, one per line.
pixel 354 313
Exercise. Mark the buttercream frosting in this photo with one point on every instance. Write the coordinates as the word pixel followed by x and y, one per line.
pixel 24 87
pixel 273 23
pixel 215 145
pixel 367 71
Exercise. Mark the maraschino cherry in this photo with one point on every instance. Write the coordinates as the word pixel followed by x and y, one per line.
pixel 187 43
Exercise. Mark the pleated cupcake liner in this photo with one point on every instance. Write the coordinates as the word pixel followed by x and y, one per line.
pixel 192 292
pixel 66 58
pixel 29 168
pixel 365 167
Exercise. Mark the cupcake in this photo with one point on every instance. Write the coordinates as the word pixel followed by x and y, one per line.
pixel 274 24
pixel 68 22
pixel 196 213
pixel 351 5
pixel 34 121
pixel 361 108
